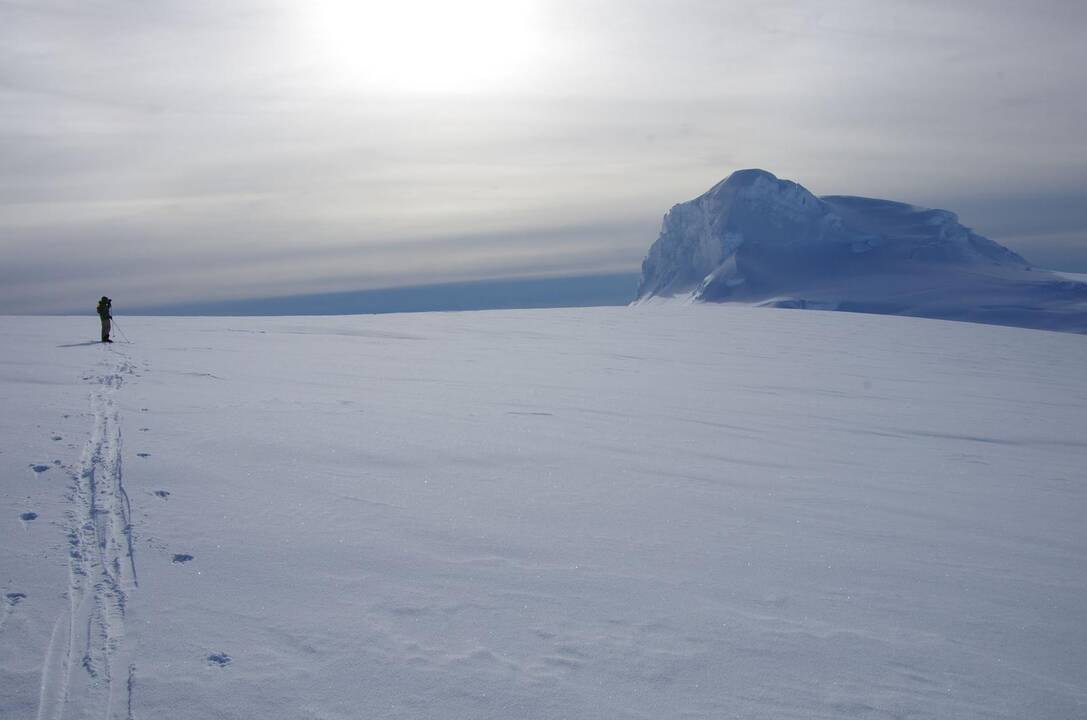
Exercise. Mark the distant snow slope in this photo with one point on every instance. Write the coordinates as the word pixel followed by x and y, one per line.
pixel 756 239
pixel 657 512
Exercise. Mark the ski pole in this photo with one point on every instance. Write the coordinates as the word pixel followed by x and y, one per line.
pixel 121 331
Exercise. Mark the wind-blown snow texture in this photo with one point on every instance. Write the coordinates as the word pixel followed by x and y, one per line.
pixel 651 512
pixel 756 239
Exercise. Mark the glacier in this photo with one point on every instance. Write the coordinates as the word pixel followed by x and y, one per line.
pixel 757 239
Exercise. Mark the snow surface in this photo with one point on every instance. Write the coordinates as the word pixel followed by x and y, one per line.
pixel 753 238
pixel 1078 277
pixel 655 512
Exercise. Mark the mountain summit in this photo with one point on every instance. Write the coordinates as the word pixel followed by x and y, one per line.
pixel 755 238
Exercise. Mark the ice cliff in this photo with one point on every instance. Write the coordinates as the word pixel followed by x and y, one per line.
pixel 754 238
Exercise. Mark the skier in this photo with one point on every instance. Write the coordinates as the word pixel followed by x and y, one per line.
pixel 105 314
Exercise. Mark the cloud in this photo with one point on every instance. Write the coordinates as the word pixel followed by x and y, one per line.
pixel 178 148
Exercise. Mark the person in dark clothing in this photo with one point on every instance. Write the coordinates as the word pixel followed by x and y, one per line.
pixel 105 314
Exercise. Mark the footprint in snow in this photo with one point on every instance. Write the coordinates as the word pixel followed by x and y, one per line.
pixel 162 494
pixel 14 598
pixel 28 516
pixel 182 558
pixel 40 468
pixel 144 429
pixel 143 455
pixel 56 438
pixel 219 660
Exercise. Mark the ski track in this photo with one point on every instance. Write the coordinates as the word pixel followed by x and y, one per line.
pixel 89 670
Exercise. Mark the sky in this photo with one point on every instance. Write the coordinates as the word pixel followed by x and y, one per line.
pixel 186 151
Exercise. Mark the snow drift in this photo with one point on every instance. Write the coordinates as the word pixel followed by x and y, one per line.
pixel 753 238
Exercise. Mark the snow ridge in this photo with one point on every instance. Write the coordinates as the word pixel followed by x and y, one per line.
pixel 88 667
pixel 755 238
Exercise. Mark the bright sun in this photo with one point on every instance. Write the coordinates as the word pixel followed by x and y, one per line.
pixel 425 46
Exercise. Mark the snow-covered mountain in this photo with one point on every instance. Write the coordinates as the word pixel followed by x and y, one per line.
pixel 754 238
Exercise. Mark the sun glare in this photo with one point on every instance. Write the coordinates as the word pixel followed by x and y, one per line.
pixel 424 46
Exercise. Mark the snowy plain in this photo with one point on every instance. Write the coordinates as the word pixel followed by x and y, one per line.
pixel 666 511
